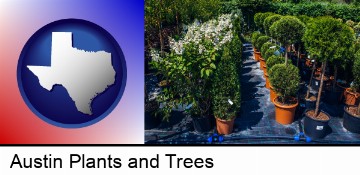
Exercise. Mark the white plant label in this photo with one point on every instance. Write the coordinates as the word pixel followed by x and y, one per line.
pixel 231 103
pixel 319 128
pixel 313 61
pixel 309 56
pixel 316 83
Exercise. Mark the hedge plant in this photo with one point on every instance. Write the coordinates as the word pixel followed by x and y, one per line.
pixel 265 47
pixel 288 30
pixel 356 73
pixel 261 40
pixel 285 80
pixel 226 88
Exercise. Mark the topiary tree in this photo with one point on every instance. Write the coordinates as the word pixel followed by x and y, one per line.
pixel 259 19
pixel 226 88
pixel 305 19
pixel 265 47
pixel 356 73
pixel 327 38
pixel 273 60
pixel 269 21
pixel 270 52
pixel 254 36
pixel 288 30
pixel 285 80
pixel 260 41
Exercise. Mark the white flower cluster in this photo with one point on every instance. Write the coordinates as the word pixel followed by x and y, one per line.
pixel 155 55
pixel 217 31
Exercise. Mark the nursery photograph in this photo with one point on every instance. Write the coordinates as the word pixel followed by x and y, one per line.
pixel 252 72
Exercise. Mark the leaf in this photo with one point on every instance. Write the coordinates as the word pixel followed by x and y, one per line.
pixel 202 72
pixel 207 72
pixel 212 65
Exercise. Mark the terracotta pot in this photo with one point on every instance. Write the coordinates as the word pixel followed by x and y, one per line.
pixel 267 84
pixel 272 93
pixel 257 55
pixel 224 127
pixel 343 89
pixel 308 62
pixel 284 114
pixel 351 98
pixel 265 70
pixel 262 63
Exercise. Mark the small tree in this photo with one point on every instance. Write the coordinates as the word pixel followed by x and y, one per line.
pixel 225 91
pixel 270 52
pixel 327 38
pixel 288 30
pixel 285 79
pixel 265 47
pixel 356 73
pixel 269 21
pixel 260 41
pixel 255 35
pixel 259 19
pixel 273 60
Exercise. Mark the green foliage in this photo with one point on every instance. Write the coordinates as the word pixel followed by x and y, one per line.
pixel 328 39
pixel 259 19
pixel 305 19
pixel 285 80
pixel 273 60
pixel 261 40
pixel 226 86
pixel 269 21
pixel 235 47
pixel 356 72
pixel 254 36
pixel 265 47
pixel 270 52
pixel 288 30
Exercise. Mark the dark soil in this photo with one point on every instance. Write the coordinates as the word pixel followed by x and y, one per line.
pixel 322 116
pixel 311 98
pixel 352 110
pixel 288 101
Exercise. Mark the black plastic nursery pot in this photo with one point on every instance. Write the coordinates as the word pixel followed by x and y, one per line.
pixel 315 84
pixel 351 122
pixel 151 121
pixel 202 124
pixel 332 97
pixel 310 104
pixel 316 129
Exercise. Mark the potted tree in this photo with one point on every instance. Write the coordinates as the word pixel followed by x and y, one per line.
pixel 325 38
pixel 285 79
pixel 352 113
pixel 264 48
pixel 269 21
pixel 271 61
pixel 225 93
pixel 259 42
pixel 255 35
pixel 288 30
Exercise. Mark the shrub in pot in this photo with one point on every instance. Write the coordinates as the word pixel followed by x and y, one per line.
pixel 269 21
pixel 264 48
pixel 288 30
pixel 270 62
pixel 259 19
pixel 259 42
pixel 254 37
pixel 225 93
pixel 325 38
pixel 352 113
pixel 285 80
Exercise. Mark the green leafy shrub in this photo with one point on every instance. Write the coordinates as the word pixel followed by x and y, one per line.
pixel 265 47
pixel 261 40
pixel 305 19
pixel 257 19
pixel 255 35
pixel 356 72
pixel 285 80
pixel 273 60
pixel 235 47
pixel 269 21
pixel 226 88
pixel 270 52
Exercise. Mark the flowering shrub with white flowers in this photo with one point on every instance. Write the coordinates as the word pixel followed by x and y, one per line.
pixel 191 62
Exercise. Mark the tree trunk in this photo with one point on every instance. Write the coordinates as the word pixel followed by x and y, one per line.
pixel 286 55
pixel 335 77
pixel 358 109
pixel 311 77
pixel 320 89
pixel 298 56
pixel 177 23
pixel 161 43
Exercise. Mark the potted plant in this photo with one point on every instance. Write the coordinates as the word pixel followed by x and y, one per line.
pixel 259 19
pixel 285 79
pixel 259 42
pixel 352 113
pixel 272 50
pixel 225 93
pixel 255 35
pixel 324 38
pixel 288 30
pixel 268 21
pixel 264 48
pixel 310 99
pixel 271 61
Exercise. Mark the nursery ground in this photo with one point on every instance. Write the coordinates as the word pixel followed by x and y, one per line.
pixel 256 122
